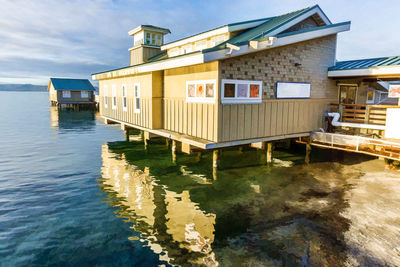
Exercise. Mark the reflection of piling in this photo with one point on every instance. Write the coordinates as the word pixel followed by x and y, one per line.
pixel 215 165
pixel 308 152
pixel 173 151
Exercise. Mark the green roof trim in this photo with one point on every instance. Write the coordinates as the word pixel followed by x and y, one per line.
pixel 366 63
pixel 72 84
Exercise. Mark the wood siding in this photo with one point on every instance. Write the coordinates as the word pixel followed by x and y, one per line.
pixel 271 118
pixel 75 97
pixel 143 119
pixel 150 100
pixel 193 119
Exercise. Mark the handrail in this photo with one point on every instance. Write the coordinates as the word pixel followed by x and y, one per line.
pixel 370 106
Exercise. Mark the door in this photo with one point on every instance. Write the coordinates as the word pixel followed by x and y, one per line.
pixel 347 94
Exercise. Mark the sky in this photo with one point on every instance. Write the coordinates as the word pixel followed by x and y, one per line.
pixel 75 38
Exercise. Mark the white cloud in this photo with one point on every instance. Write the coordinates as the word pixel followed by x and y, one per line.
pixel 46 38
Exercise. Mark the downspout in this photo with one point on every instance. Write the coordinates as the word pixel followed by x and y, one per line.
pixel 335 122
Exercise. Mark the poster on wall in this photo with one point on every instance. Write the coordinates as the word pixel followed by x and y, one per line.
pixel 394 90
pixel 293 90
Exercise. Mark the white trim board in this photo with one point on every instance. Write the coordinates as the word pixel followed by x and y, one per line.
pixel 199 58
pixel 285 40
pixel 374 71
pixel 218 31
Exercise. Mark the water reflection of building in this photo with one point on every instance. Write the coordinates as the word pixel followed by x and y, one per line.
pixel 71 119
pixel 168 222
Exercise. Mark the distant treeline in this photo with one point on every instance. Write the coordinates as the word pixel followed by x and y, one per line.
pixel 23 87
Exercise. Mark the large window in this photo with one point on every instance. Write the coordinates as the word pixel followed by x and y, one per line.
pixel 187 49
pixel 105 96
pixel 137 97
pixel 174 52
pixel 124 98
pixel 84 94
pixel 200 45
pixel 114 97
pixel 217 40
pixel 200 91
pixel 241 92
pixel 66 94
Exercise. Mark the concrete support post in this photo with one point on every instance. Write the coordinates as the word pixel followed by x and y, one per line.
pixel 269 152
pixel 308 152
pixel 173 151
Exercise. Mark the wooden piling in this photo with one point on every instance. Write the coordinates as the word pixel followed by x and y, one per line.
pixel 126 134
pixel 216 158
pixel 308 152
pixel 269 152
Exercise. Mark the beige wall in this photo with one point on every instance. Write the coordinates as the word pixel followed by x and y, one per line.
pixel 277 65
pixel 52 93
pixel 270 118
pixel 140 54
pixel 194 119
pixel 150 100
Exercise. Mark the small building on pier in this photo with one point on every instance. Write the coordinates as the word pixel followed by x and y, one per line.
pixel 71 92
pixel 242 83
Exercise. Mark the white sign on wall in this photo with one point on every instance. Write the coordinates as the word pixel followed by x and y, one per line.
pixel 394 90
pixel 293 90
pixel 392 123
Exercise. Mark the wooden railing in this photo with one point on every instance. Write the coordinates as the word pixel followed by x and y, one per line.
pixel 367 114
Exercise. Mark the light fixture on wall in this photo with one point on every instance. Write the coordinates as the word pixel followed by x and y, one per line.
pixel 297 64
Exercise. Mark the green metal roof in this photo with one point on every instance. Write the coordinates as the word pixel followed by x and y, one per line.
pixel 227 25
pixel 366 63
pixel 72 84
pixel 262 30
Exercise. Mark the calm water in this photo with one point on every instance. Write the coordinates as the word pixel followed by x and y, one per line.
pixel 73 193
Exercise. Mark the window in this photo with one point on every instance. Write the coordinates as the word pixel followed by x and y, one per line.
pixel 66 94
pixel 383 96
pixel 114 97
pixel 187 49
pixel 137 97
pixel 370 97
pixel 174 52
pixel 200 45
pixel 217 40
pixel 124 98
pixel 105 96
pixel 200 91
pixel 241 92
pixel 84 94
pixel 347 93
pixel 148 38
pixel 293 90
pixel 158 39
